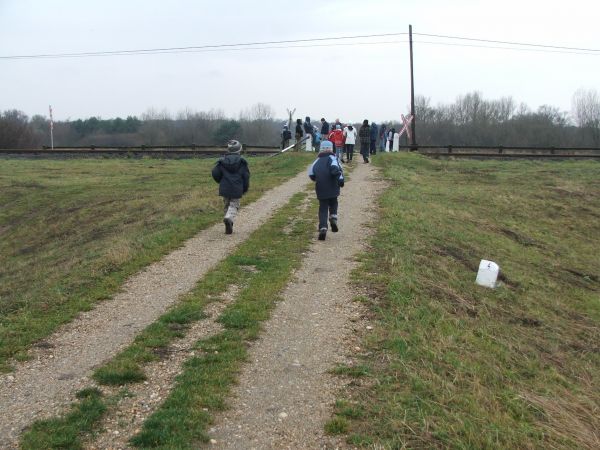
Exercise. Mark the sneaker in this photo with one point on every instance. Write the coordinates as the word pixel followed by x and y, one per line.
pixel 228 226
pixel 333 223
pixel 322 234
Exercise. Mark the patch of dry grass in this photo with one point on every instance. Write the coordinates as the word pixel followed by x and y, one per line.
pixel 452 364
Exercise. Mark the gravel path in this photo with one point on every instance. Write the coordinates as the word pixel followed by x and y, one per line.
pixel 63 364
pixel 285 394
pixel 126 418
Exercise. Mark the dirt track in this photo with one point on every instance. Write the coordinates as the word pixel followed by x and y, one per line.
pixel 63 364
pixel 285 395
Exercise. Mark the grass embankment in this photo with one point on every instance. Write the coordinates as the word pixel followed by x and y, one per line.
pixel 452 364
pixel 273 251
pixel 72 231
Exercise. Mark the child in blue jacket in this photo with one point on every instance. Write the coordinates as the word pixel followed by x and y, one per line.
pixel 328 176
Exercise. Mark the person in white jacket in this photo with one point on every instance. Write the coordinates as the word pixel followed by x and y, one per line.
pixel 390 140
pixel 349 142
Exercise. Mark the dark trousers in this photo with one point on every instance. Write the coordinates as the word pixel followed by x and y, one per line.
pixel 327 208
pixel 373 147
pixel 364 151
pixel 349 151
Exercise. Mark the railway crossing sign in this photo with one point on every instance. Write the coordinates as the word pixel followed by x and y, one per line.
pixel 406 121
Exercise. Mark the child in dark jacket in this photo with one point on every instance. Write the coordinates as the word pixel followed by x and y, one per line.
pixel 232 173
pixel 328 176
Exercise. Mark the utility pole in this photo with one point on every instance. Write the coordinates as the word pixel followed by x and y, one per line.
pixel 413 144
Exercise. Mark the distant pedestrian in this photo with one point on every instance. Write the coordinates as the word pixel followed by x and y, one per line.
pixel 308 129
pixel 382 137
pixel 373 144
pixel 324 129
pixel 233 175
pixel 328 176
pixel 364 135
pixel 390 139
pixel 286 136
pixel 337 137
pixel 349 142
pixel 317 141
pixel 299 133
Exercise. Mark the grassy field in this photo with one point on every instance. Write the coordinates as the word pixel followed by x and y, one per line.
pixel 72 231
pixel 450 364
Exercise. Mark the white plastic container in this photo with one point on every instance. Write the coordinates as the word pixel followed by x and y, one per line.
pixel 396 143
pixel 487 274
pixel 309 145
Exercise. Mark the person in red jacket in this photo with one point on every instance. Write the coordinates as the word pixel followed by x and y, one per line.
pixel 337 137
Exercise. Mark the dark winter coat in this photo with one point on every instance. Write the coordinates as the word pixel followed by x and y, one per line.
pixel 374 130
pixel 308 128
pixel 364 134
pixel 233 176
pixel 286 134
pixel 325 128
pixel 328 175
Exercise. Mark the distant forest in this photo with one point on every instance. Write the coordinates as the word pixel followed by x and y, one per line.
pixel 470 120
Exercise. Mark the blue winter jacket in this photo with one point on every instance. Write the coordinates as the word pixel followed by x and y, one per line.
pixel 374 130
pixel 327 174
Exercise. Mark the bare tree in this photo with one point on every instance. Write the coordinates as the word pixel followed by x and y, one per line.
pixel 15 131
pixel 586 111
pixel 257 123
pixel 156 126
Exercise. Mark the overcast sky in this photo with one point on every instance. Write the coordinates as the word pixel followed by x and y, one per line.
pixel 352 82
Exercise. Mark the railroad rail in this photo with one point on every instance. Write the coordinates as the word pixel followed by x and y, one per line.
pixel 191 151
pixel 164 151
pixel 499 151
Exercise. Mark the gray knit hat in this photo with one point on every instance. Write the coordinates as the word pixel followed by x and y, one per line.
pixel 234 146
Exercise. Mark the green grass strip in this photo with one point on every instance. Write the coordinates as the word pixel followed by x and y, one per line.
pixel 65 432
pixel 449 364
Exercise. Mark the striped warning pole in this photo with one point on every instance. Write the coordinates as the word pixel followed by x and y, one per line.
pixel 51 128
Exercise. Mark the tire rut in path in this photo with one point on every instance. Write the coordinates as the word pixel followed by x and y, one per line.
pixel 285 394
pixel 126 418
pixel 64 364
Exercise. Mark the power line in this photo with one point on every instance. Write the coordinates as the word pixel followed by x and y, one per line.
pixel 507 42
pixel 538 50
pixel 269 45
pixel 197 47
pixel 241 49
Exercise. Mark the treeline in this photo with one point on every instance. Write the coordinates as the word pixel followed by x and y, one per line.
pixel 470 120
pixel 255 125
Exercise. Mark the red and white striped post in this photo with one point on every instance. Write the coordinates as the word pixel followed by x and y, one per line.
pixel 51 128
pixel 407 128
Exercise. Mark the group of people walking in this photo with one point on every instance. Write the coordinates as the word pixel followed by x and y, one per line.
pixel 335 145
pixel 344 139
pixel 380 137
